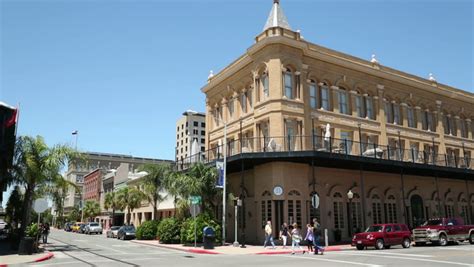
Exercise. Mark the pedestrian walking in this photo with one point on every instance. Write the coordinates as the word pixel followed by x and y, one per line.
pixel 268 235
pixel 296 238
pixel 317 237
pixel 309 237
pixel 45 232
pixel 284 234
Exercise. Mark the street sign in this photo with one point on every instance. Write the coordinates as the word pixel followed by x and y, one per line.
pixel 315 201
pixel 40 205
pixel 195 210
pixel 196 200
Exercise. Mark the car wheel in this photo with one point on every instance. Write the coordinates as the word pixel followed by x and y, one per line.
pixel 419 244
pixel 406 243
pixel 100 232
pixel 360 247
pixel 443 240
pixel 471 238
pixel 379 244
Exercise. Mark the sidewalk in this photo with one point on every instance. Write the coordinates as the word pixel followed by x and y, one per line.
pixel 228 249
pixel 5 260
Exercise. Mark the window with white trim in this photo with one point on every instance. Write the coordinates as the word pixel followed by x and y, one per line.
pixel 343 103
pixel 313 92
pixel 325 97
pixel 338 209
pixel 288 83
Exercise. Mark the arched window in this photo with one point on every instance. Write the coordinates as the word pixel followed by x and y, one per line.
pixel 243 101
pixel 464 210
pixel 390 209
pixel 411 117
pixel 343 101
pixel 364 106
pixel 231 107
pixel 338 209
pixel 376 209
pixel 356 215
pixel 294 207
pixel 464 127
pixel 265 88
pixel 449 208
pixel 324 91
pixel 266 207
pixel 288 82
pixel 313 93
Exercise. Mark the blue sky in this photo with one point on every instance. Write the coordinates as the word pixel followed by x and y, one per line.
pixel 122 72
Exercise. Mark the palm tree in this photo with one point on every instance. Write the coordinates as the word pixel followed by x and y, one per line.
pixel 199 180
pixel 153 183
pixel 130 198
pixel 112 201
pixel 35 165
pixel 91 209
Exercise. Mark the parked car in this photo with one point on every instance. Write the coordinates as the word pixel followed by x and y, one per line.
pixel 443 230
pixel 82 228
pixel 383 236
pixel 126 232
pixel 112 232
pixel 92 228
pixel 68 226
pixel 76 227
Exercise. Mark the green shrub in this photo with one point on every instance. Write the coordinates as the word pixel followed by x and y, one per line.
pixel 32 230
pixel 147 230
pixel 169 231
pixel 203 220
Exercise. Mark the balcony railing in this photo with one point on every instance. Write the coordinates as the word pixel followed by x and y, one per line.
pixel 327 145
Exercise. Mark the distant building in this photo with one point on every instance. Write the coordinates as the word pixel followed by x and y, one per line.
pixel 190 127
pixel 93 185
pixel 105 161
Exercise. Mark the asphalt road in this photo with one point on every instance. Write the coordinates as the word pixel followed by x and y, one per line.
pixel 73 250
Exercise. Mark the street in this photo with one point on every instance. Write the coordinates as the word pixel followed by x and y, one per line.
pixel 72 250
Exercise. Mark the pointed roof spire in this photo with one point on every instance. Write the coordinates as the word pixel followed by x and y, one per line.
pixel 276 18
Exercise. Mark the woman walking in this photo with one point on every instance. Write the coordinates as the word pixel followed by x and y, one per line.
pixel 309 237
pixel 296 238
pixel 284 234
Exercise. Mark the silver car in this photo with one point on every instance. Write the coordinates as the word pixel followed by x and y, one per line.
pixel 93 227
pixel 112 232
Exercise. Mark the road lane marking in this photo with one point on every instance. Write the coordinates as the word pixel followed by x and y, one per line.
pixel 329 260
pixel 388 253
pixel 406 258
pixel 108 248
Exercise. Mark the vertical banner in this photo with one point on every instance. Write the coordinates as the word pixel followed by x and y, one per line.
pixel 220 176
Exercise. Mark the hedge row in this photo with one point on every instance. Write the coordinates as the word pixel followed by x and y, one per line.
pixel 174 231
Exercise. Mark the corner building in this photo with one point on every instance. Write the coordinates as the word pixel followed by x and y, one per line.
pixel 304 119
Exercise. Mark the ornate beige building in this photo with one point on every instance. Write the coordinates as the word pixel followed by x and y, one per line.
pixel 302 119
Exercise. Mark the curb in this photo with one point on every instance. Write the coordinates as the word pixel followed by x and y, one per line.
pixel 43 258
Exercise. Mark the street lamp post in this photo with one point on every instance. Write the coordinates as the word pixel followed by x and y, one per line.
pixel 238 203
pixel 224 192
pixel 350 195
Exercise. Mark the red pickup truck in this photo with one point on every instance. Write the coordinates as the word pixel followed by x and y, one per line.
pixel 443 230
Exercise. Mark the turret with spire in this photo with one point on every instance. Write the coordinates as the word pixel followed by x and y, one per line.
pixel 276 18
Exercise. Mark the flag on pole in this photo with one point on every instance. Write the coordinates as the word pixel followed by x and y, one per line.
pixel 75 132
pixel 220 177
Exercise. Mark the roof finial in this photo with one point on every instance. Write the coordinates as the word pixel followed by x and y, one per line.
pixel 374 60
pixel 276 1
pixel 211 74
pixel 432 78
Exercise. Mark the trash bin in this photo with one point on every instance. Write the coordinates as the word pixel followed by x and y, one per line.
pixel 27 246
pixel 208 236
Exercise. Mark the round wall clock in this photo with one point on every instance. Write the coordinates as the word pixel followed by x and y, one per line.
pixel 278 190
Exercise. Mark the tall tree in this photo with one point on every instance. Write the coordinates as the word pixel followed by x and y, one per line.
pixel 13 208
pixel 91 209
pixel 154 183
pixel 37 164
pixel 130 198
pixel 112 201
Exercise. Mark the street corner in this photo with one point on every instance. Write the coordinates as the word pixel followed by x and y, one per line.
pixel 25 259
pixel 48 256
